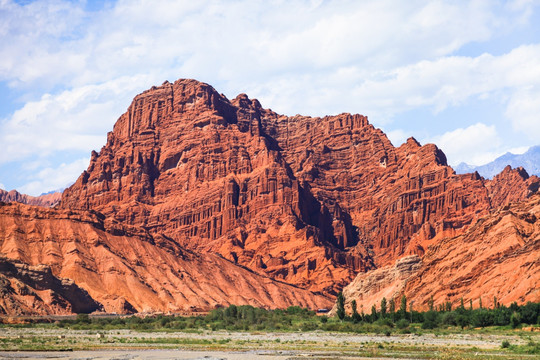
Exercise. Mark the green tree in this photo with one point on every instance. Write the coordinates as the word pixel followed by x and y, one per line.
pixel 431 320
pixel 340 312
pixel 383 307
pixel 355 315
pixel 231 312
pixel 448 306
pixel 430 303
pixel 403 306
pixel 515 320
pixel 374 315
pixel 462 320
pixel 392 309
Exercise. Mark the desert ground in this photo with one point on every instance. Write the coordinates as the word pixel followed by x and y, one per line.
pixel 129 344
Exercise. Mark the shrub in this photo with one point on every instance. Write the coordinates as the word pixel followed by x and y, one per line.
pixel 83 319
pixel 402 324
pixel 431 320
pixel 505 344
pixel 385 322
pixel 514 320
pixel 449 318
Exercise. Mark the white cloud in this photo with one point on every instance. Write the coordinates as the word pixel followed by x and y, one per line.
pixel 475 145
pixel 379 57
pixel 77 119
pixel 2 186
pixel 518 150
pixel 233 41
pixel 398 136
pixel 524 111
pixel 50 178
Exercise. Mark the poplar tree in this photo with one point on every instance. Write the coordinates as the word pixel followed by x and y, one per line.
pixel 392 309
pixel 340 306
pixel 403 306
pixel 355 315
pixel 383 307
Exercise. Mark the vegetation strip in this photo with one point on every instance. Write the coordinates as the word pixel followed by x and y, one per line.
pixel 247 328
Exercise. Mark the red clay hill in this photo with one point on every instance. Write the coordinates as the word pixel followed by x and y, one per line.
pixel 58 261
pixel 496 259
pixel 301 204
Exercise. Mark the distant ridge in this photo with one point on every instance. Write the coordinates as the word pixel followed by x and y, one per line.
pixel 530 161
pixel 49 199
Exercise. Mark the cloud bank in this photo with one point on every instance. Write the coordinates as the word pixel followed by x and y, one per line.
pixel 74 69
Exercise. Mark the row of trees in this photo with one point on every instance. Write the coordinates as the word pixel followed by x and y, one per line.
pixel 443 314
pixel 386 310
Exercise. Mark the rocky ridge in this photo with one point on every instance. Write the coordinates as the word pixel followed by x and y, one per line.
pixel 46 200
pixel 530 160
pixel 197 201
pixel 389 282
pixel 497 257
pixel 309 201
pixel 127 270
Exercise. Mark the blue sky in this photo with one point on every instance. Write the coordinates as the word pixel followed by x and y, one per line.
pixel 462 74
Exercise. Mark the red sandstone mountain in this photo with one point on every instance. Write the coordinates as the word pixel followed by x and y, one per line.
pixel 308 201
pixel 46 200
pixel 118 269
pixel 496 257
pixel 197 201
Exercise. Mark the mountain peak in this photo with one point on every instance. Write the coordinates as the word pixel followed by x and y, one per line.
pixel 530 160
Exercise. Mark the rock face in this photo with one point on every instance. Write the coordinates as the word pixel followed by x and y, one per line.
pixel 34 290
pixel 308 201
pixel 121 269
pixel 387 282
pixel 508 186
pixel 46 200
pixel 187 163
pixel 497 256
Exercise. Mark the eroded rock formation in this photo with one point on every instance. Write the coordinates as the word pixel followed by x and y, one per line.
pixel 124 269
pixel 309 201
pixel 388 282
pixel 35 290
pixel 497 257
pixel 512 185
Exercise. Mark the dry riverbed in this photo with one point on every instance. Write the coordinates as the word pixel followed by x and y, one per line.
pixel 129 344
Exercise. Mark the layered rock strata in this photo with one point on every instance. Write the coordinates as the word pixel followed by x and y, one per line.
pixel 497 257
pixel 35 290
pixel 308 201
pixel 123 269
